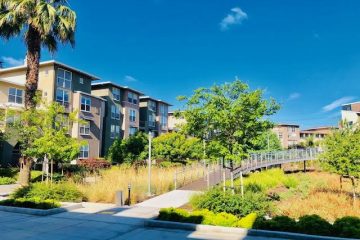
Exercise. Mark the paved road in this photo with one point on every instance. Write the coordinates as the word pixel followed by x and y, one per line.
pixel 88 224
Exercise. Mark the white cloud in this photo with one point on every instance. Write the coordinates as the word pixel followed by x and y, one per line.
pixel 235 17
pixel 294 96
pixel 12 62
pixel 337 103
pixel 129 78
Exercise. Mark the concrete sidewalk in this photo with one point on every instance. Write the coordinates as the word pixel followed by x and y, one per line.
pixel 6 190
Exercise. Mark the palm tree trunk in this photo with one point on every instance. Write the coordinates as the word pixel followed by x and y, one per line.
pixel 33 42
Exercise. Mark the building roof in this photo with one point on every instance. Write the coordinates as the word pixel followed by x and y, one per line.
pixel 154 99
pixel 108 83
pixel 52 62
pixel 90 95
pixel 320 128
pixel 17 83
pixel 287 125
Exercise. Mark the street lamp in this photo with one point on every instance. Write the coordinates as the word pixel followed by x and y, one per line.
pixel 149 165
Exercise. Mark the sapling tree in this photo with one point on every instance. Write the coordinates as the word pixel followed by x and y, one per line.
pixel 48 134
pixel 342 154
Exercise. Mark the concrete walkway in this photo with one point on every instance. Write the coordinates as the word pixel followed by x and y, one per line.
pixel 86 224
pixel 5 190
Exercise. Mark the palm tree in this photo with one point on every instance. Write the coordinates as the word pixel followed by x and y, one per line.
pixel 42 23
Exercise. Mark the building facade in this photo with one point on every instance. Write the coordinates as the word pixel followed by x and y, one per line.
pixel 288 134
pixel 61 83
pixel 154 115
pixel 175 122
pixel 317 134
pixel 350 113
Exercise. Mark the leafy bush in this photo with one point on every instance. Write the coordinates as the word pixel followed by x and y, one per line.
pixel 217 201
pixel 35 203
pixel 278 223
pixel 128 150
pixel 347 227
pixel 36 176
pixel 168 164
pixel 314 224
pixel 177 147
pixel 59 192
pixel 7 180
pixel 206 217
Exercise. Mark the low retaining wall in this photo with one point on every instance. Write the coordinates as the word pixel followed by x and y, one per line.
pixel 40 212
pixel 239 231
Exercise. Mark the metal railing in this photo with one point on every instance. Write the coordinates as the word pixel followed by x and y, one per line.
pixel 267 159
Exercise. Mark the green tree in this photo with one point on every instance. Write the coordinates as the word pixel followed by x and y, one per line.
pixel 342 154
pixel 47 134
pixel 129 150
pixel 177 147
pixel 41 23
pixel 268 141
pixel 230 114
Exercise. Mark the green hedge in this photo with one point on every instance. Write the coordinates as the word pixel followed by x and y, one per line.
pixel 35 203
pixel 63 192
pixel 312 224
pixel 206 217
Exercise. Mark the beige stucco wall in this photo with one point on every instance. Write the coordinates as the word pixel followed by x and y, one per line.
pixel 288 138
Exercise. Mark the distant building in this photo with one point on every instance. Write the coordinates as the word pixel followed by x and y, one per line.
pixel 288 134
pixel 318 133
pixel 350 113
pixel 174 122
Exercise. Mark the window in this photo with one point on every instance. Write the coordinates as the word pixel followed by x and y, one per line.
pixel 292 129
pixel 62 96
pixel 280 136
pixel 81 80
pixel 132 98
pixel 132 131
pixel 15 95
pixel 64 78
pixel 116 94
pixel 114 131
pixel 152 106
pixel 132 115
pixel 115 112
pixel 152 119
pixel 84 151
pixel 163 116
pixel 85 104
pixel 85 128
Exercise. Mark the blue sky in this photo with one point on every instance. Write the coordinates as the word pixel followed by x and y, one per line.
pixel 304 53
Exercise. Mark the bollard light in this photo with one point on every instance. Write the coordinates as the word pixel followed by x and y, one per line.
pixel 129 194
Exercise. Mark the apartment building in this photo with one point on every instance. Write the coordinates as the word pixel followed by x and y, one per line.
pixel 318 133
pixel 289 134
pixel 350 113
pixel 58 82
pixel 154 115
pixel 122 111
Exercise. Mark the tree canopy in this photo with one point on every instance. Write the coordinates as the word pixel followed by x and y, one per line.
pixel 230 114
pixel 268 141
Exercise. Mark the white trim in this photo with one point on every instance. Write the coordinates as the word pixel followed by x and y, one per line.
pixel 90 95
pixel 116 85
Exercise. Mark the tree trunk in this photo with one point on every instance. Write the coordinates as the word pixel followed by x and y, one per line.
pixel 25 171
pixel 354 190
pixel 33 42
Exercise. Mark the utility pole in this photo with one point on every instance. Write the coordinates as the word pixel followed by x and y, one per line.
pixel 149 165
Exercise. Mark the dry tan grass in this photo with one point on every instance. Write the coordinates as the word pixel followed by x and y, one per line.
pixel 118 178
pixel 324 199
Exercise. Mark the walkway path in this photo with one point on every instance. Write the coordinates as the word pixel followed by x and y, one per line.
pixel 5 190
pixel 85 224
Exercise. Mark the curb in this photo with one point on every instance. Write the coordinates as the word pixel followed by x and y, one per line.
pixel 40 212
pixel 240 231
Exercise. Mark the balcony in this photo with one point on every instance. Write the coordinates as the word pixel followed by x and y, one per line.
pixel 148 124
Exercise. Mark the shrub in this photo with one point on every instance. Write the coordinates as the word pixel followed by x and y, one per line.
pixel 179 215
pixel 9 172
pixel 278 223
pixel 7 180
pixel 58 192
pixel 36 176
pixel 314 224
pixel 217 201
pixel 36 203
pixel 247 221
pixel 347 227
pixel 93 164
pixel 290 182
pixel 218 219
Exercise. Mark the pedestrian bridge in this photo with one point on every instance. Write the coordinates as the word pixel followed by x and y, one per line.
pixel 268 159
